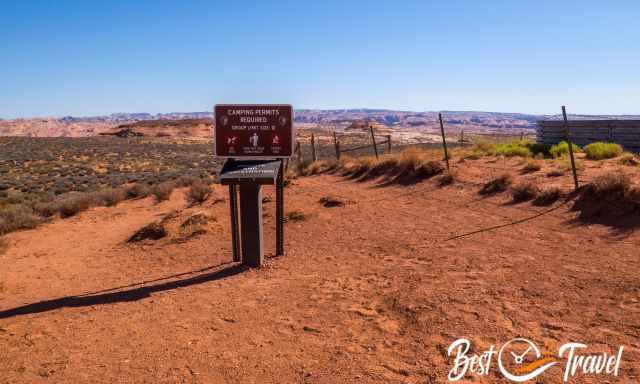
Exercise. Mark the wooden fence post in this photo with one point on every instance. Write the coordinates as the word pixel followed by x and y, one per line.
pixel 568 137
pixel 336 145
pixel 462 137
pixel 313 148
pixel 373 139
pixel 388 143
pixel 521 135
pixel 444 140
pixel 298 152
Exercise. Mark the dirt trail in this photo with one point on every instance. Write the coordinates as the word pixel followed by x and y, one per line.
pixel 371 292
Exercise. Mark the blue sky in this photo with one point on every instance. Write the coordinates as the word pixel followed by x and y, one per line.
pixel 98 57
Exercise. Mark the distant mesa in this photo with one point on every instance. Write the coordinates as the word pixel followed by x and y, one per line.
pixel 164 128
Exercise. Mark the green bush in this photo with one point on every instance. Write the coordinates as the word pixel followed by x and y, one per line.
pixel 562 148
pixel 513 149
pixel 600 150
pixel 484 148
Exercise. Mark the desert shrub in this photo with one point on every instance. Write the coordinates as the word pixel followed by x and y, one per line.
pixel 75 204
pixel 320 166
pixel 410 158
pixel 547 196
pixel 196 219
pixel 110 197
pixel 524 191
pixel 555 173
pixel 198 193
pixel 17 216
pixel 601 150
pixel 447 178
pixel 562 148
pixel 429 169
pixel 531 166
pixel 331 201
pixel 539 149
pixel 628 159
pixel 386 164
pixel 566 164
pixel 186 181
pixel 47 208
pixel 513 149
pixel 162 191
pixel 499 184
pixel 153 231
pixel 482 148
pixel 300 166
pixel 609 187
pixel 295 216
pixel 138 190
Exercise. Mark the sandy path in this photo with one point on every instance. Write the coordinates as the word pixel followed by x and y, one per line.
pixel 367 293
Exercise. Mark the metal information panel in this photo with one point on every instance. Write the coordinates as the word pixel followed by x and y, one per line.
pixel 259 172
pixel 255 140
pixel 254 131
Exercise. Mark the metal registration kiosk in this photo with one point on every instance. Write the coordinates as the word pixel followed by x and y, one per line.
pixel 254 140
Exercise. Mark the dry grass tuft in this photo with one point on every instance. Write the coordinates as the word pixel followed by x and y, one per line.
pixel 524 191
pixel 162 191
pixel 628 159
pixel 531 166
pixel 74 204
pixel 497 185
pixel 331 201
pixel 447 178
pixel 555 173
pixel 138 191
pixel 17 216
pixel 295 216
pixel 548 196
pixel 198 193
pixel 609 187
pixel 153 231
pixel 110 197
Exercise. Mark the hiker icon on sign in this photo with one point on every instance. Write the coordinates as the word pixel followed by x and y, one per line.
pixel 276 140
pixel 254 140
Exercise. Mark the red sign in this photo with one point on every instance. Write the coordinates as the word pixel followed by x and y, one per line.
pixel 253 131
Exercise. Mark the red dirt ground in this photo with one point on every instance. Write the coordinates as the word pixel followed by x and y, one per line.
pixel 372 292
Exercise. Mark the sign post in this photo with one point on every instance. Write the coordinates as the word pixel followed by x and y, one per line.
pixel 255 140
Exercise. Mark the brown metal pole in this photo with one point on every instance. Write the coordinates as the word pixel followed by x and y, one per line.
pixel 373 139
pixel 568 137
pixel 388 143
pixel 444 140
pixel 336 145
pixel 280 212
pixel 235 231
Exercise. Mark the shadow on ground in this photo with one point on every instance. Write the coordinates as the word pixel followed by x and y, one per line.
pixel 132 294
